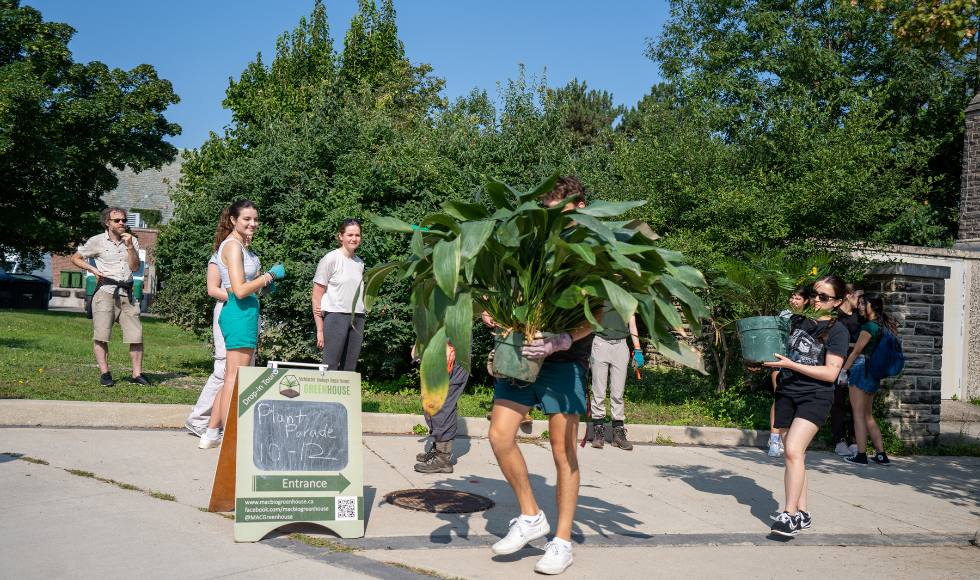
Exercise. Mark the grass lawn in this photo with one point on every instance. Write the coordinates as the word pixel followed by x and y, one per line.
pixel 48 355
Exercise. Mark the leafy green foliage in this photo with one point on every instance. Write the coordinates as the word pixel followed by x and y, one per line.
pixel 589 115
pixel 941 25
pixel 62 124
pixel 535 270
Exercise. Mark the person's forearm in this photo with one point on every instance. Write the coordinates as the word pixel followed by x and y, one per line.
pixel 825 373
pixel 218 294
pixel 246 289
pixel 80 262
pixel 134 260
pixel 634 334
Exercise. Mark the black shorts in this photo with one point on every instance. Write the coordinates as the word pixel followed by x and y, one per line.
pixel 813 407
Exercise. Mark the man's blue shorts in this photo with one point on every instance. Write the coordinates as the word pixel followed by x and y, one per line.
pixel 559 388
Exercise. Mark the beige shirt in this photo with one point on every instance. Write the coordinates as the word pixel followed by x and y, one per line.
pixel 111 258
pixel 342 277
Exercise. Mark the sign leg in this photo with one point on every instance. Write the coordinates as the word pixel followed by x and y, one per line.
pixel 223 487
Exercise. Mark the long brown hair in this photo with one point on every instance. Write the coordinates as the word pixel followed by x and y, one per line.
pixel 873 301
pixel 225 227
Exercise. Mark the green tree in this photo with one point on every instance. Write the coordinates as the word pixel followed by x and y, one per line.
pixel 62 124
pixel 589 113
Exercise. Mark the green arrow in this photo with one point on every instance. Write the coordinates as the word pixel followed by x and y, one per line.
pixel 300 483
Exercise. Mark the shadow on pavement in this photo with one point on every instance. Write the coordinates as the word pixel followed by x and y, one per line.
pixel 746 491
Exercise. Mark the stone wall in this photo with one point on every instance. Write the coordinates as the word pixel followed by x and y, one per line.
pixel 969 219
pixel 915 304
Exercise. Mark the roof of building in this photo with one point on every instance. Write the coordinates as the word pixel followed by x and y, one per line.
pixel 148 189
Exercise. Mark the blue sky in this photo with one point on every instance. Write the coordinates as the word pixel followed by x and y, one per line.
pixel 198 44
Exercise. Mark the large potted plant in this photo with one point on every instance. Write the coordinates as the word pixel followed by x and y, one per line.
pixel 761 285
pixel 533 270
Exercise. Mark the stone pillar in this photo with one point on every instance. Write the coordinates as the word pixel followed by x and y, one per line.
pixel 968 236
pixel 914 295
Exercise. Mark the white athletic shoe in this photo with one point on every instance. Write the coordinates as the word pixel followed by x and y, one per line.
pixel 774 445
pixel 782 448
pixel 208 443
pixel 556 559
pixel 843 449
pixel 853 448
pixel 521 533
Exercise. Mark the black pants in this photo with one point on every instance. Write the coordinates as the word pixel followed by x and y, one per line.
pixel 342 340
pixel 841 421
pixel 443 423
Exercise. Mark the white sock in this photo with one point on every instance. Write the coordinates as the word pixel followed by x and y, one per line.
pixel 532 519
pixel 211 433
pixel 563 543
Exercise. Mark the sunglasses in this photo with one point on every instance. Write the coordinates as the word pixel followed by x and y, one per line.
pixel 118 221
pixel 821 297
pixel 352 221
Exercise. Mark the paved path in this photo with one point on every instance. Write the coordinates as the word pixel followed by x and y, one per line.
pixel 677 512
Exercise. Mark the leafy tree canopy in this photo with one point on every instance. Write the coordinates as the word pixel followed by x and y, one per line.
pixel 62 124
pixel 589 113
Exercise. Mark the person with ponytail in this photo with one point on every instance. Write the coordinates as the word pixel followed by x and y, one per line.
pixel 241 277
pixel 797 302
pixel 805 393
pixel 862 386
pixel 338 300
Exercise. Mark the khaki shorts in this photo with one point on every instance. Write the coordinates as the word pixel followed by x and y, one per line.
pixel 106 310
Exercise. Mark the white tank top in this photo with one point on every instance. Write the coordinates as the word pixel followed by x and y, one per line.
pixel 250 263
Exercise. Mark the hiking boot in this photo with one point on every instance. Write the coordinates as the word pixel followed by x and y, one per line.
pixel 140 379
pixel 439 460
pixel 106 379
pixel 879 458
pixel 786 525
pixel 424 456
pixel 619 439
pixel 598 435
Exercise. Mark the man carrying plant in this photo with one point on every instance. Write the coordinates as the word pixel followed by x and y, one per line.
pixel 116 256
pixel 559 391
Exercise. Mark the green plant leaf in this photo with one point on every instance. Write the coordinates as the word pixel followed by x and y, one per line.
pixel 684 354
pixel 509 234
pixel 434 373
pixel 623 301
pixel 609 208
pixel 498 193
pixel 584 250
pixel 465 211
pixel 474 236
pixel 691 277
pixel 420 314
pixel 372 283
pixel 542 188
pixel 684 294
pixel 446 264
pixel 568 298
pixel 417 245
pixel 441 219
pixel 459 326
pixel 389 223
pixel 594 225
pixel 668 312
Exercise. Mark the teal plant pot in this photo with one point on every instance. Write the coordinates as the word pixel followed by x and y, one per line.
pixel 508 360
pixel 762 336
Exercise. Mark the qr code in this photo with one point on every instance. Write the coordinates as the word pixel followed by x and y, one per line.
pixel 346 508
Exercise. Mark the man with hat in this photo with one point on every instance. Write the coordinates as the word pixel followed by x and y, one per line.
pixel 116 254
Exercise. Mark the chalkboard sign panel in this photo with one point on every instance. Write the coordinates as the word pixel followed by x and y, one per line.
pixel 299 435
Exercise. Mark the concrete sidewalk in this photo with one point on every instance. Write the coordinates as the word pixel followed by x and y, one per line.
pixel 679 512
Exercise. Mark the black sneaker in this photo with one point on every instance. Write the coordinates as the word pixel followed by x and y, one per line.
pixel 140 380
pixel 857 459
pixel 620 440
pixel 879 459
pixel 786 525
pixel 436 463
pixel 106 380
pixel 804 518
pixel 598 435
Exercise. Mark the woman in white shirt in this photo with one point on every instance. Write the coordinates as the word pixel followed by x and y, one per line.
pixel 338 300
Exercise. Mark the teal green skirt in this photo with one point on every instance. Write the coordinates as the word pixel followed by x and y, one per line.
pixel 239 321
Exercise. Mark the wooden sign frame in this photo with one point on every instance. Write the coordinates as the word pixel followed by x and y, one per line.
pixel 267 494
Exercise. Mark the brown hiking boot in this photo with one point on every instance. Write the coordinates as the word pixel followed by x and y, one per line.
pixel 423 457
pixel 439 460
pixel 619 439
pixel 598 435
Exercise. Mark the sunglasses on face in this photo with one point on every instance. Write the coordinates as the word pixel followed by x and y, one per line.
pixel 118 221
pixel 821 297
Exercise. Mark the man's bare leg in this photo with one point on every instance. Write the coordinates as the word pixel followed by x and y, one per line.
pixel 102 356
pixel 563 433
pixel 136 355
pixel 504 423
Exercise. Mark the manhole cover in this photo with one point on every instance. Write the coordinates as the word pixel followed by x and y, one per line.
pixel 440 501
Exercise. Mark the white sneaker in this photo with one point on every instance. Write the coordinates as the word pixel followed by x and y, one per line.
pixel 208 443
pixel 556 559
pixel 774 445
pixel 521 533
pixel 853 448
pixel 782 448
pixel 843 449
